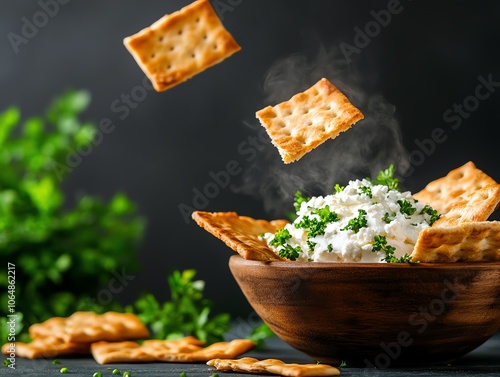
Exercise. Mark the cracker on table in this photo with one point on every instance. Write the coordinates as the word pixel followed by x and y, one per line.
pixel 308 119
pixel 184 350
pixel 181 45
pixel 90 327
pixel 465 242
pixel 465 194
pixel 240 233
pixel 46 348
pixel 274 366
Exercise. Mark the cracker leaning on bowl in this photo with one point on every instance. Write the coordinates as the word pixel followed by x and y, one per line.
pixel 466 198
pixel 308 119
pixel 181 45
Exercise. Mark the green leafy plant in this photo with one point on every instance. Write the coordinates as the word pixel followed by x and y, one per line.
pixel 186 313
pixel 62 253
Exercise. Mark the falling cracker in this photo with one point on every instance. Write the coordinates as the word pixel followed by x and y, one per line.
pixel 274 366
pixel 89 327
pixel 308 119
pixel 184 350
pixel 240 233
pixel 466 242
pixel 181 45
pixel 46 348
pixel 465 194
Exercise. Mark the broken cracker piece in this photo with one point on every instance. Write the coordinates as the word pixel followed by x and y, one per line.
pixel 240 233
pixel 466 242
pixel 308 119
pixel 181 45
pixel 274 366
pixel 90 327
pixel 46 348
pixel 184 350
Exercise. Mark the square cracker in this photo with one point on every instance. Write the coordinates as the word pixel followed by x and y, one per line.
pixel 466 242
pixel 47 348
pixel 465 194
pixel 308 119
pixel 240 233
pixel 180 45
pixel 274 366
pixel 87 327
pixel 184 350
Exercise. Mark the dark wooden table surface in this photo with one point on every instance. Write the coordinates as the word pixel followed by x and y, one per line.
pixel 484 361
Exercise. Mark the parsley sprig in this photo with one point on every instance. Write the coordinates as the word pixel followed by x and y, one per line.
pixel 365 190
pixel 406 208
pixel 432 213
pixel 386 178
pixel 380 244
pixel 286 250
pixel 357 223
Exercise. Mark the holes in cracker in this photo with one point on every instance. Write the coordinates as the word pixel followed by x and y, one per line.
pixel 215 46
pixel 160 39
pixel 179 32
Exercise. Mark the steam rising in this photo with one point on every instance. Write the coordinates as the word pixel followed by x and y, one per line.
pixel 362 151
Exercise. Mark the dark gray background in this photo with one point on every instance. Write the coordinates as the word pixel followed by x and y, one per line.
pixel 427 58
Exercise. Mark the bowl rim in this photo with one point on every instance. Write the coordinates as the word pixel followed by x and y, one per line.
pixel 238 259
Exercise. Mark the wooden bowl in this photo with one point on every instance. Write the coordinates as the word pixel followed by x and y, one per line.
pixel 375 315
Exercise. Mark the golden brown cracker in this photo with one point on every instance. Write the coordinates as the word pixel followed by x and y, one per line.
pixel 240 233
pixel 274 366
pixel 308 119
pixel 46 348
pixel 181 45
pixel 185 350
pixel 465 194
pixel 90 327
pixel 466 242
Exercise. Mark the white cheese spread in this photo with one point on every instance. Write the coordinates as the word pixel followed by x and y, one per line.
pixel 361 223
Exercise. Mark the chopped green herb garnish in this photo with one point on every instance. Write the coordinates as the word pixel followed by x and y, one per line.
pixel 183 374
pixel 64 370
pixel 126 374
pixel 326 215
pixel 432 213
pixel 311 245
pixel 343 364
pixel 406 208
pixel 287 251
pixel 380 244
pixel 55 362
pixel 357 223
pixel 330 247
pixel 116 372
pixel 299 199
pixel 280 237
pixel 214 375
pixel 97 374
pixel 386 178
pixel 338 188
pixel 365 190
pixel 387 218
pixel 6 363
